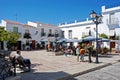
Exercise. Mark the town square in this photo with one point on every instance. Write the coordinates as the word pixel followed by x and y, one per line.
pixel 59 40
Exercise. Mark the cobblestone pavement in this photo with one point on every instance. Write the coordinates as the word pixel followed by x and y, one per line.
pixel 43 61
pixel 108 73
pixel 47 66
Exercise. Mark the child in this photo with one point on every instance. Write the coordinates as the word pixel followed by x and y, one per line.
pixel 82 52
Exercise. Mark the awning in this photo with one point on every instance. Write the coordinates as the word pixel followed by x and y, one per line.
pixel 73 40
pixel 62 40
pixel 90 38
pixel 104 40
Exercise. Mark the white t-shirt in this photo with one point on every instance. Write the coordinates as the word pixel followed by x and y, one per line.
pixel 77 51
pixel 17 55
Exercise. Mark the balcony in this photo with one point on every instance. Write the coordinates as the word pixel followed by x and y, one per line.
pixel 43 34
pixel 50 35
pixel 113 23
pixel 27 36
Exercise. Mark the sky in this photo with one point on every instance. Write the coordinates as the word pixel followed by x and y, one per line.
pixel 50 11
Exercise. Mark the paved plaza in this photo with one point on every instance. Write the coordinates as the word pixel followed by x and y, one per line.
pixel 47 66
pixel 111 72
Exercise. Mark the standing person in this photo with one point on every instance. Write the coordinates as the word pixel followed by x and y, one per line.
pixel 78 52
pixel 48 46
pixel 90 50
pixel 82 52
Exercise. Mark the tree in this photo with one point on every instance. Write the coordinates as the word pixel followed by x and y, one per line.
pixel 103 36
pixel 13 37
pixel 3 34
pixel 10 37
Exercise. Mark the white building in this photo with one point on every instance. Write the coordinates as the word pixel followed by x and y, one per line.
pixel 38 31
pixel 110 25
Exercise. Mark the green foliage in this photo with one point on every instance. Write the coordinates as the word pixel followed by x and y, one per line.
pixel 116 37
pixel 27 43
pixel 83 45
pixel 38 45
pixel 85 36
pixel 27 36
pixel 3 34
pixel 13 37
pixel 10 37
pixel 103 36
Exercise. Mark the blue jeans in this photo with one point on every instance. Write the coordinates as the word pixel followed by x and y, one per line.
pixel 27 61
pixel 81 57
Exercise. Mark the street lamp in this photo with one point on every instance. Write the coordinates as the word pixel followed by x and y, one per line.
pixel 56 35
pixel 97 19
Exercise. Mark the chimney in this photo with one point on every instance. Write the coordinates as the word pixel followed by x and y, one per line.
pixel 75 21
pixel 65 23
pixel 103 8
pixel 87 19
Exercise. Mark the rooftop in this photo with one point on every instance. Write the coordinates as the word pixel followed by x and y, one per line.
pixel 12 22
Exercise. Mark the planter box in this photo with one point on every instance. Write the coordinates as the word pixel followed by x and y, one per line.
pixel 58 53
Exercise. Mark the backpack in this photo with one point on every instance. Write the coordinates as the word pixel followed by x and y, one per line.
pixel 82 51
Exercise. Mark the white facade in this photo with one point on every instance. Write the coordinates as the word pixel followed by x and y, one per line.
pixel 35 30
pixel 39 31
pixel 111 21
pixel 78 29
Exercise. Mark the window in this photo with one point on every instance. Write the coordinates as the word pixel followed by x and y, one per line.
pixel 15 29
pixel 112 18
pixel 70 34
pixel 50 31
pixel 36 32
pixel 42 30
pixel 27 34
pixel 88 31
pixel 26 31
pixel 63 34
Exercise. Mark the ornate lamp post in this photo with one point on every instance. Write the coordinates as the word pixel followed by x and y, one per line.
pixel 97 19
pixel 56 35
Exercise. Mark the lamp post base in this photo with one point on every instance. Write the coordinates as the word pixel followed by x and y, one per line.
pixel 97 59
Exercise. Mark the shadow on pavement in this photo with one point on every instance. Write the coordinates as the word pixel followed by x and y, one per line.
pixel 105 56
pixel 34 65
pixel 60 75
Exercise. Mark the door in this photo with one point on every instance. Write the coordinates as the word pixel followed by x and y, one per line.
pixel 33 44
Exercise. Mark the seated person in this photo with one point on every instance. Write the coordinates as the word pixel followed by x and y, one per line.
pixel 66 52
pixel 22 61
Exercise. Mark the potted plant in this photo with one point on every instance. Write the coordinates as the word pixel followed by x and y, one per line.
pixel 38 45
pixel 23 46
